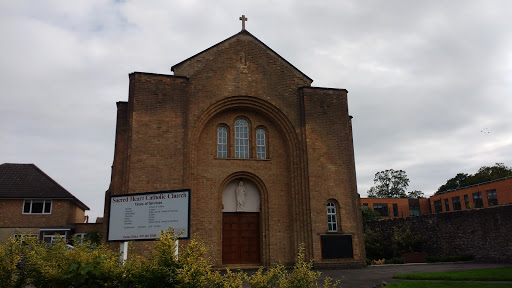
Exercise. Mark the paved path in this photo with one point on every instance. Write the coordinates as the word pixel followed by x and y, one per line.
pixel 369 276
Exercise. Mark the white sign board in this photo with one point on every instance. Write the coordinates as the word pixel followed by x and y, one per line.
pixel 142 216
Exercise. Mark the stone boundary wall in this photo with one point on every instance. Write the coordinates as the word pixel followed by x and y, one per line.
pixel 484 233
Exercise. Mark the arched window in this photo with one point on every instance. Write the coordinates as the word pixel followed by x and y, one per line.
pixel 332 221
pixel 261 144
pixel 241 138
pixel 222 142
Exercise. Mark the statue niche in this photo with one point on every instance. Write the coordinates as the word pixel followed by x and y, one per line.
pixel 241 195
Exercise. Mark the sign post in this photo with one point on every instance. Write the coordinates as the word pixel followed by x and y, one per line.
pixel 141 216
pixel 124 251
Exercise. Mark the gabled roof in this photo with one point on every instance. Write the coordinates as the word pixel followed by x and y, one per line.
pixel 27 181
pixel 237 34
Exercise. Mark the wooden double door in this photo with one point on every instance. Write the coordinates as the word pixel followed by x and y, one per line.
pixel 241 238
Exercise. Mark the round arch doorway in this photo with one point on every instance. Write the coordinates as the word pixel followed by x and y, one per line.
pixel 241 223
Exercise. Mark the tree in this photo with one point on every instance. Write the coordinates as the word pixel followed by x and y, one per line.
pixel 489 173
pixel 460 180
pixel 484 174
pixel 370 214
pixel 390 184
pixel 415 194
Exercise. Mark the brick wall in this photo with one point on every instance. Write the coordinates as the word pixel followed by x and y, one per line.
pixel 483 233
pixel 64 212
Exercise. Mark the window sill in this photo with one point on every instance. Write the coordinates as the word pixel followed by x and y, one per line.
pixel 246 159
pixel 335 233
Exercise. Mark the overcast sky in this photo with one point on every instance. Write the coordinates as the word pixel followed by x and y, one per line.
pixel 429 82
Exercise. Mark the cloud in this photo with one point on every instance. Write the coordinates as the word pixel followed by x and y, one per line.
pixel 424 78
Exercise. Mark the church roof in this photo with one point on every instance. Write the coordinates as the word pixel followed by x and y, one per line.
pixel 27 181
pixel 243 32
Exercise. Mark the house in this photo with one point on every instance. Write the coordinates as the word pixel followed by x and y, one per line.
pixel 32 203
pixel 268 158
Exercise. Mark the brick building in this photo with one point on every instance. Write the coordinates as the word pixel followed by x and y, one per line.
pixel 33 203
pixel 238 114
pixel 484 195
pixel 397 207
pixel 492 193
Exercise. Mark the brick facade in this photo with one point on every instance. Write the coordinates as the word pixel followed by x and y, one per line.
pixel 64 212
pixel 502 191
pixel 166 139
pixel 492 193
pixel 403 206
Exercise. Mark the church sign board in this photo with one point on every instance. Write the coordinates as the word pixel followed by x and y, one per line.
pixel 142 216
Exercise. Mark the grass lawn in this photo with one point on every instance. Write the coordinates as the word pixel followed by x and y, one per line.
pixel 497 274
pixel 428 284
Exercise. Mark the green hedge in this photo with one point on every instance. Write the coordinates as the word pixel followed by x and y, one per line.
pixel 43 266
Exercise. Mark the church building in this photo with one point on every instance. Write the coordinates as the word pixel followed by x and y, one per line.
pixel 268 158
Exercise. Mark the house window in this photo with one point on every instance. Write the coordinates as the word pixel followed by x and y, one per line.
pixel 332 221
pixel 37 207
pixel 365 206
pixel 477 200
pixel 222 142
pixel 395 210
pixel 438 207
pixel 381 208
pixel 466 201
pixel 456 203
pixel 261 144
pixel 446 205
pixel 241 138
pixel 52 236
pixel 492 198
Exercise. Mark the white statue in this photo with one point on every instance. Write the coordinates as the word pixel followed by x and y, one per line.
pixel 240 196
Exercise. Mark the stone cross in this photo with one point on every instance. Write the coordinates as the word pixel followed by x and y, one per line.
pixel 243 21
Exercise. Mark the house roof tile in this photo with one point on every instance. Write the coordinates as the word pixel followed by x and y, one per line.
pixel 27 181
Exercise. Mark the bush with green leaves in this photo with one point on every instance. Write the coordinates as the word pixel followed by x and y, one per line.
pixel 10 259
pixel 376 247
pixel 404 241
pixel 59 265
pixel 301 276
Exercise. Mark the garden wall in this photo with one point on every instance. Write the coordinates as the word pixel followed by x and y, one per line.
pixel 484 233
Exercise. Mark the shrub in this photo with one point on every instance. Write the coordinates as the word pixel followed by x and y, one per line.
pixel 10 258
pixel 404 241
pixel 58 265
pixel 378 262
pixel 94 237
pixel 370 214
pixel 375 246
pixel 302 275
pixel 84 265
